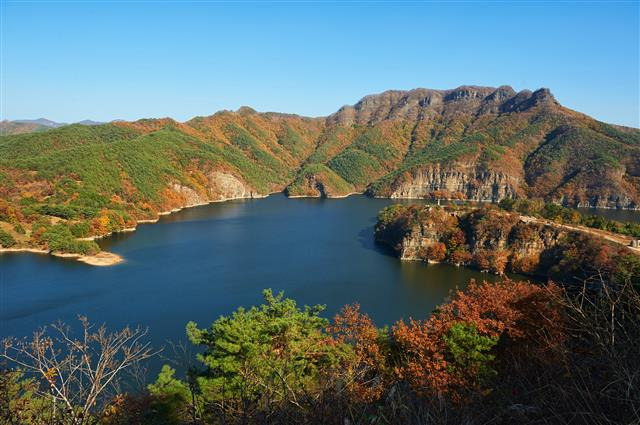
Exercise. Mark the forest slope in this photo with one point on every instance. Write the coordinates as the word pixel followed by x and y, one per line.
pixel 477 143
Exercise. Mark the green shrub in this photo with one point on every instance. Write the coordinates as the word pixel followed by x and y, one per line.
pixel 80 230
pixel 60 239
pixel 246 353
pixel 6 240
pixel 469 350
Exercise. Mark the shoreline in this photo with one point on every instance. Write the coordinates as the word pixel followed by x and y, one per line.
pixel 105 258
pixel 169 212
pixel 325 197
pixel 102 258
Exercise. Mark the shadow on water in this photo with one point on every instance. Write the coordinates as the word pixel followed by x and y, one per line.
pixel 202 262
pixel 367 240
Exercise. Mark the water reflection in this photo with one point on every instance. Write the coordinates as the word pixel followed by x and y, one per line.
pixel 202 262
pixel 618 215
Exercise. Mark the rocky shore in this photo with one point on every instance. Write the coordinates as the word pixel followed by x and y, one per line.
pixel 496 241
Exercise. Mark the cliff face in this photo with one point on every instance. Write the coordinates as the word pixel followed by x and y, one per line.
pixel 486 239
pixel 491 143
pixel 478 143
pixel 410 234
pixel 463 182
pixel 522 238
pixel 219 187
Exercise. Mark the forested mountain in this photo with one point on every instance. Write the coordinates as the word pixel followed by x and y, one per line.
pixel 471 142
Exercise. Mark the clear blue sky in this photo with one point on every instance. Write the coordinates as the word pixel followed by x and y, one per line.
pixel 69 61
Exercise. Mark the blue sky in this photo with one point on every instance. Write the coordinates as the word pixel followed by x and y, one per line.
pixel 101 60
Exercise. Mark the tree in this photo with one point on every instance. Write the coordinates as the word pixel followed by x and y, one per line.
pixel 6 240
pixel 364 373
pixel 455 239
pixel 436 252
pixel 77 373
pixel 498 260
pixel 100 225
pixel 468 351
pixel 460 256
pixel 268 356
pixel 19 403
pixel 450 352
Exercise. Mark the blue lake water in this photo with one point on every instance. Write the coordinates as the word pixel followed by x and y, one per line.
pixel 206 261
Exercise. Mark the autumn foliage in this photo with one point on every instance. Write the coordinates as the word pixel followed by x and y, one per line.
pixel 498 241
pixel 514 311
pixel 367 369
pixel 555 357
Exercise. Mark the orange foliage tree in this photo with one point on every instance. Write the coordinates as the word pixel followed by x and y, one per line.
pixel 100 224
pixel 436 252
pixel 518 315
pixel 366 369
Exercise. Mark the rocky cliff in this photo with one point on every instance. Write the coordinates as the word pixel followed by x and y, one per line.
pixel 493 240
pixel 471 142
pixel 219 186
pixel 462 182
pixel 426 104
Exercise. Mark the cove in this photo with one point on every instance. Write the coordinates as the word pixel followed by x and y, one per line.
pixel 202 262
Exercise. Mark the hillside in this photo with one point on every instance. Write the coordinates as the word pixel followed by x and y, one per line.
pixel 472 142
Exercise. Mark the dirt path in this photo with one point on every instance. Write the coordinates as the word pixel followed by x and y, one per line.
pixel 623 240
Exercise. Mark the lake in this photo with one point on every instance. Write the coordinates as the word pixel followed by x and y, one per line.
pixel 202 262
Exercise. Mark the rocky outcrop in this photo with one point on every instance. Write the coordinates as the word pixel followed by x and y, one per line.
pixel 529 239
pixel 421 104
pixel 220 186
pixel 487 239
pixel 474 185
pixel 411 232
pixel 499 232
pixel 190 196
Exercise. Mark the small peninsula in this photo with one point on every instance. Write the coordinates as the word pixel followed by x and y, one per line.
pixel 553 243
pixel 62 185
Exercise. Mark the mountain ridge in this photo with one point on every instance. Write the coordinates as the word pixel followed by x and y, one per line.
pixel 40 124
pixel 472 142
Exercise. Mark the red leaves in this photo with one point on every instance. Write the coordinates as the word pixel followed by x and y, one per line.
pixel 522 312
pixel 436 252
pixel 366 370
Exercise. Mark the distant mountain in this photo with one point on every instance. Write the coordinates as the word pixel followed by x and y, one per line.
pixel 477 143
pixel 89 122
pixel 31 126
pixel 41 121
pixel 26 126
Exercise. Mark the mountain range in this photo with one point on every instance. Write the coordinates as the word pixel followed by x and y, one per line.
pixel 30 126
pixel 477 143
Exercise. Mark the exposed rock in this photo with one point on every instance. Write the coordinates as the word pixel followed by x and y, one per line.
pixel 411 236
pixel 191 197
pixel 474 185
pixel 487 239
pixel 418 104
pixel 223 186
pixel 220 187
